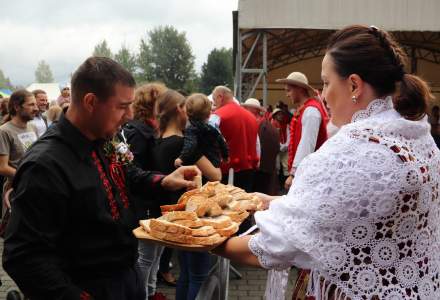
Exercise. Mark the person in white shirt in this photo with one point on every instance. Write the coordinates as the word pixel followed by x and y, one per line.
pixel 40 120
pixel 308 126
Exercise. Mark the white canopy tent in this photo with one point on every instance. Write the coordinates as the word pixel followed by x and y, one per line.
pixel 52 89
pixel 274 38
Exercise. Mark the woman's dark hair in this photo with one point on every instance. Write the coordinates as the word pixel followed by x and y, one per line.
pixel 18 98
pixel 167 108
pixel 377 58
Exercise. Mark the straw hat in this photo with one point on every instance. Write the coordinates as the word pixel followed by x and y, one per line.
pixel 251 102
pixel 276 110
pixel 298 79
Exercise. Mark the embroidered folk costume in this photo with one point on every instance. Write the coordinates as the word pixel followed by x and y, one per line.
pixel 363 212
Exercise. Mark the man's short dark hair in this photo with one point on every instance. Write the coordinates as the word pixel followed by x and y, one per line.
pixel 99 75
pixel 37 92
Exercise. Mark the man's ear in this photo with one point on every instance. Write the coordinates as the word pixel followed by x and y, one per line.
pixel 17 107
pixel 89 102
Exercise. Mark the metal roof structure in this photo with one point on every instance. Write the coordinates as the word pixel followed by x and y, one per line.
pixel 269 35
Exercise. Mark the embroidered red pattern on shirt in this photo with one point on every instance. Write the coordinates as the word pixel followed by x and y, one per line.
pixel 84 296
pixel 107 186
pixel 118 177
pixel 156 179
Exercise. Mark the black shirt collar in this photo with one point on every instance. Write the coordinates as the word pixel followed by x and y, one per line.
pixel 80 144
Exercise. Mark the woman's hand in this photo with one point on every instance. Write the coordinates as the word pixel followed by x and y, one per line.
pixel 266 199
pixel 183 177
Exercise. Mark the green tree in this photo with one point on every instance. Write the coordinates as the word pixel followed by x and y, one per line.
pixel 193 83
pixel 144 63
pixel 217 70
pixel 167 57
pixel 126 58
pixel 102 50
pixel 43 74
pixel 5 83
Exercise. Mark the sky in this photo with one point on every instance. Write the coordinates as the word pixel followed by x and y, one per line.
pixel 64 33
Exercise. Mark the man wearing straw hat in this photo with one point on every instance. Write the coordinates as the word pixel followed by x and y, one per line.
pixel 308 126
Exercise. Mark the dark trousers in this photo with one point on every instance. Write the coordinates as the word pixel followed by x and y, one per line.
pixel 242 179
pixel 194 269
pixel 266 183
pixel 125 285
pixel 165 258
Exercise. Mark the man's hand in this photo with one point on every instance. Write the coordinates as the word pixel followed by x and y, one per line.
pixel 183 177
pixel 288 182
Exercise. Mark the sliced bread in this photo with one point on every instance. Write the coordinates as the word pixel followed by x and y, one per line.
pixel 169 227
pixel 217 222
pixel 190 223
pixel 203 231
pixel 179 215
pixel 228 231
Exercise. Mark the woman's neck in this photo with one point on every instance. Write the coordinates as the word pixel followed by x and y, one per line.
pixel 172 129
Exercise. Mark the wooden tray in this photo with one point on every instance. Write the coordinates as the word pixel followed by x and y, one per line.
pixel 141 234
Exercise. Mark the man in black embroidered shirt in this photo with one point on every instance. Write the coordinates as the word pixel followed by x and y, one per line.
pixel 70 233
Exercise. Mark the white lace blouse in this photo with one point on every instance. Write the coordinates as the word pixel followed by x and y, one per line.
pixel 363 211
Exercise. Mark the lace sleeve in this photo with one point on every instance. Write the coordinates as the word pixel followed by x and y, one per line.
pixel 338 183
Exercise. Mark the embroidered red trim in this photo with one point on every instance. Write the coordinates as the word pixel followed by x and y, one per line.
pixel 118 177
pixel 107 186
pixel 156 179
pixel 85 296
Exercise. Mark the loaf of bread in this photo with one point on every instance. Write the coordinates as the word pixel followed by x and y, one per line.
pixel 184 198
pixel 209 188
pixel 222 199
pixel 173 207
pixel 214 209
pixel 198 204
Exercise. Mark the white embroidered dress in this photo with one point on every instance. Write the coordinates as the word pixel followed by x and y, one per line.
pixel 363 212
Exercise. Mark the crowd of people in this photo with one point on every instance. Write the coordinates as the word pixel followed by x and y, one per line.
pixel 358 163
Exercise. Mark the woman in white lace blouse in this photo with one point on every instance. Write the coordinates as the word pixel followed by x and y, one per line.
pixel 363 212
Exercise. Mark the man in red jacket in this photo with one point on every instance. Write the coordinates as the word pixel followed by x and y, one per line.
pixel 308 126
pixel 240 129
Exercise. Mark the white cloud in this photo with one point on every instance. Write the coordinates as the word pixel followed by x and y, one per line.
pixel 64 33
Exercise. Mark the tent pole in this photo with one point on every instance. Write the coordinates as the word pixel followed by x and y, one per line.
pixel 265 69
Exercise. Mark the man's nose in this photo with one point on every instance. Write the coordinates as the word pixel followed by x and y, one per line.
pixel 129 115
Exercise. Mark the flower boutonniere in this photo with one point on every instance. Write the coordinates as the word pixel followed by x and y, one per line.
pixel 118 152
